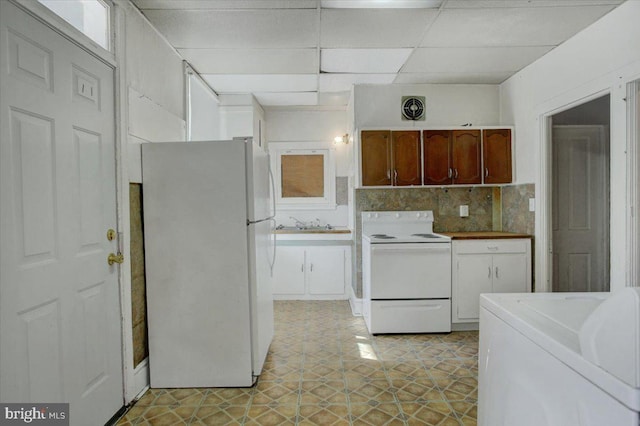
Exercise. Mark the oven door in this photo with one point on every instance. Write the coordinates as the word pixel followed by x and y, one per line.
pixel 410 271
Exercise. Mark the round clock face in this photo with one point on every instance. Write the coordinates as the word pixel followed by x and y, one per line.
pixel 413 108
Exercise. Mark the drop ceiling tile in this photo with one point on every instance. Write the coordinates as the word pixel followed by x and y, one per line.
pixel 452 78
pixel 287 98
pixel 252 61
pixel 363 60
pixel 226 4
pixel 343 82
pixel 482 4
pixel 362 28
pixel 238 83
pixel 334 98
pixel 540 26
pixel 472 60
pixel 278 28
pixel 378 4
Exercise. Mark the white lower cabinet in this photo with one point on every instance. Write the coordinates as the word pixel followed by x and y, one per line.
pixel 311 272
pixel 487 266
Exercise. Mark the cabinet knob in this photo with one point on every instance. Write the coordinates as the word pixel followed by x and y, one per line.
pixel 486 171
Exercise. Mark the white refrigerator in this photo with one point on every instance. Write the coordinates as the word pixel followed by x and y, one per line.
pixel 209 248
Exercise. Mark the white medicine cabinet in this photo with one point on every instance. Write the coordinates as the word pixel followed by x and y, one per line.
pixel 305 175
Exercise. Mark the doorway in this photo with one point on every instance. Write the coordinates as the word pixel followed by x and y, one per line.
pixel 580 197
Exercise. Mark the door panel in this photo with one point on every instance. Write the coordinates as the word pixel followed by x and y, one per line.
pixel 466 157
pixel 326 270
pixel 580 208
pixel 59 300
pixel 475 275
pixel 405 149
pixel 496 144
pixel 376 158
pixel 510 273
pixel 288 272
pixel 437 157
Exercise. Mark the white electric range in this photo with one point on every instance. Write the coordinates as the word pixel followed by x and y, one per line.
pixel 406 273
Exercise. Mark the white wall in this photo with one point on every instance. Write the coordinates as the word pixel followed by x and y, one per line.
pixel 602 58
pixel 204 111
pixel 305 125
pixel 445 105
pixel 155 84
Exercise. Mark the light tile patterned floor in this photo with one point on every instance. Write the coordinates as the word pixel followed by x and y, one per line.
pixel 324 368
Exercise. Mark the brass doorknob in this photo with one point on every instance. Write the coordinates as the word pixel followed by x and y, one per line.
pixel 115 258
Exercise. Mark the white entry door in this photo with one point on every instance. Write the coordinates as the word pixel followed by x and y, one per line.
pixel 60 326
pixel 580 208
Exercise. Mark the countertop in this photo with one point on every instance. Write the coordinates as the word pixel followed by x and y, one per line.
pixel 484 235
pixel 316 235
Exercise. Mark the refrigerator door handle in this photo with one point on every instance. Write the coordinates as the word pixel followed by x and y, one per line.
pixel 273 192
pixel 273 259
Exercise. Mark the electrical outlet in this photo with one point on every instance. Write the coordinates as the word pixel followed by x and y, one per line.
pixel 532 204
pixel 464 211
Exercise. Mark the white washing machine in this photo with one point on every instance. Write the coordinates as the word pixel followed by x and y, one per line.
pixel 560 359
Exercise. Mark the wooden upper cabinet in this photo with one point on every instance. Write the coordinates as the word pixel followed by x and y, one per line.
pixel 437 157
pixel 376 157
pixel 496 145
pixel 466 157
pixel 405 152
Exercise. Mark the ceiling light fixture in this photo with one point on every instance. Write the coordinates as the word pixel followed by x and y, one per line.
pixel 341 139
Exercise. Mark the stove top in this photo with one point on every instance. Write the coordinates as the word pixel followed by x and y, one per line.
pixel 400 227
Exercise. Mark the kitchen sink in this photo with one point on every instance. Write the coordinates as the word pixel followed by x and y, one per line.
pixel 304 228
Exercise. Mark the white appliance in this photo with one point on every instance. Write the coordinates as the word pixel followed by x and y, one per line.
pixel 406 273
pixel 208 248
pixel 560 359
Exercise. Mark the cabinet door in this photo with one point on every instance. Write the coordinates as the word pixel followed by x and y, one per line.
pixel 466 157
pixel 510 273
pixel 288 271
pixel 473 276
pixel 406 156
pixel 496 146
pixel 325 270
pixel 437 157
pixel 376 157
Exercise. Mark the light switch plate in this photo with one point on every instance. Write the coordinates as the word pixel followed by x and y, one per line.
pixel 532 204
pixel 464 211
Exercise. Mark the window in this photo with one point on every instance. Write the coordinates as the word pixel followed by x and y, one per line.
pixel 90 17
pixel 304 175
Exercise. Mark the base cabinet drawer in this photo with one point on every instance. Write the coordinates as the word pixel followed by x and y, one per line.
pixel 487 266
pixel 409 316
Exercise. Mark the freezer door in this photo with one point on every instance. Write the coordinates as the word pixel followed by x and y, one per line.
pixel 259 183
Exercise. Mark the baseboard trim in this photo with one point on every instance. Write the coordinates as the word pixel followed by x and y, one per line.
pixel 355 303
pixel 141 378
pixel 465 326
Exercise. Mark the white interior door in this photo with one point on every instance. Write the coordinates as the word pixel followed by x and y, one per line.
pixel 59 299
pixel 580 211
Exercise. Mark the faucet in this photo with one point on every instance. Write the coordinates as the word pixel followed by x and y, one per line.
pixel 299 224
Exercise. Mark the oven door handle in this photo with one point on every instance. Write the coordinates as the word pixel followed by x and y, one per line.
pixel 398 247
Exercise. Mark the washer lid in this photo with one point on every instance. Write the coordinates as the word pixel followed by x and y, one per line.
pixel 610 336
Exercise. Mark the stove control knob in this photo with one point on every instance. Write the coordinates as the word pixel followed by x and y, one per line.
pixel 417 214
pixel 397 214
pixel 375 215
